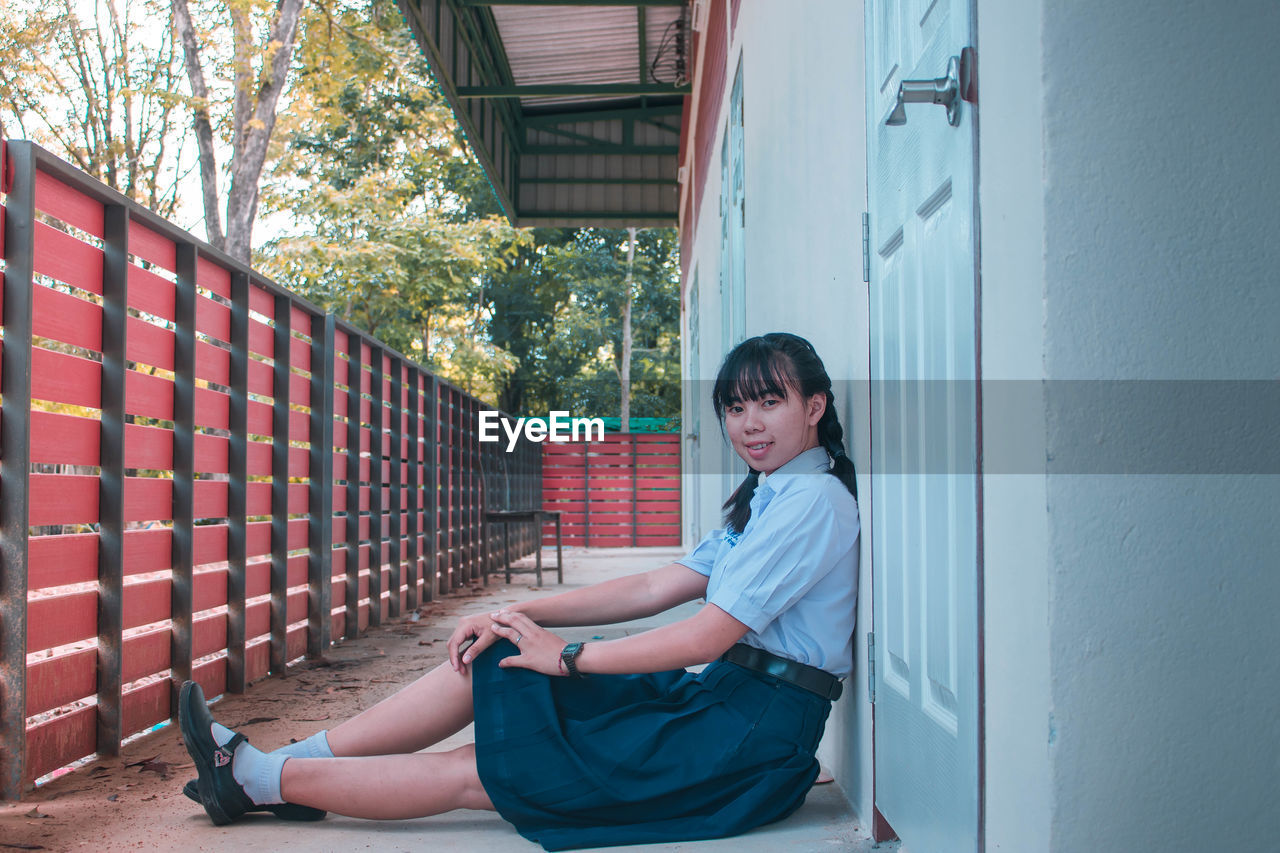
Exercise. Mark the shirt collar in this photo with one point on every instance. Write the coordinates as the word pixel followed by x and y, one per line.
pixel 812 461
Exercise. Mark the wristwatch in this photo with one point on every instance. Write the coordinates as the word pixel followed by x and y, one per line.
pixel 569 657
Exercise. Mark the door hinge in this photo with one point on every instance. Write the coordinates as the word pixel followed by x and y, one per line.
pixel 871 667
pixel 866 248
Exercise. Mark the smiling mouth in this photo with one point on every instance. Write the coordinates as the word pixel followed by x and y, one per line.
pixel 761 446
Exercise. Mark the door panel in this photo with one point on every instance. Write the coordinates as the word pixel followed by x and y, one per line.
pixel 924 513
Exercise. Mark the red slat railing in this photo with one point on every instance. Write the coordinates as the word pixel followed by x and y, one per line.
pixel 176 443
pixel 623 491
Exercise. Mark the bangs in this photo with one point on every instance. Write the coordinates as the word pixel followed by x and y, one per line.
pixel 750 373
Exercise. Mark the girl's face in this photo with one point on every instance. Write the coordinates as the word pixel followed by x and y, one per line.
pixel 771 431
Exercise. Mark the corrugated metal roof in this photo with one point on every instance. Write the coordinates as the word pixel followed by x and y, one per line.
pixel 591 44
pixel 581 157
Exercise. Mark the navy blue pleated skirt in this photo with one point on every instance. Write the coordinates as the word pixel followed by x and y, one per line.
pixel 635 759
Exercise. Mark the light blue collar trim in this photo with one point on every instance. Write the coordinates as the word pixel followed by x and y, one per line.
pixel 812 461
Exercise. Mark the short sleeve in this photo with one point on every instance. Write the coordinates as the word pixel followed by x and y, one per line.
pixel 703 557
pixel 802 538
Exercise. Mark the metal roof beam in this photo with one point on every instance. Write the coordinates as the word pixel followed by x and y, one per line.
pixel 660 125
pixel 669 215
pixel 571 2
pixel 659 150
pixel 576 137
pixel 603 181
pixel 573 90
pixel 542 119
pixel 490 70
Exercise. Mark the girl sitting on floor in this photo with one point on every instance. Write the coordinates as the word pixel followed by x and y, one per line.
pixel 604 743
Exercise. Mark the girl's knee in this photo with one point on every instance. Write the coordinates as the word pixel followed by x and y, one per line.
pixel 473 794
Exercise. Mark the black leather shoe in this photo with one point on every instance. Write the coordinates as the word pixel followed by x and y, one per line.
pixel 284 811
pixel 220 794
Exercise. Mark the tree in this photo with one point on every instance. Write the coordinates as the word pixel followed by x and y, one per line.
pixel 259 74
pixel 572 357
pixel 624 362
pixel 395 228
pixel 97 86
pixel 524 300
pixel 377 182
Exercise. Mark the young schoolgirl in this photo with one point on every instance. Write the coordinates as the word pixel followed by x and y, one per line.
pixel 604 743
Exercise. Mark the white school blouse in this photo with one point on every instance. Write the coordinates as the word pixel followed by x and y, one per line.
pixel 792 575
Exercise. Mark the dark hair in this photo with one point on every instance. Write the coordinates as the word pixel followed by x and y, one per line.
pixel 770 365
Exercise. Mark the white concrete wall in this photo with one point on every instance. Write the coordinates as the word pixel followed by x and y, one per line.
pixel 805 171
pixel 1014 523
pixel 703 263
pixel 1129 233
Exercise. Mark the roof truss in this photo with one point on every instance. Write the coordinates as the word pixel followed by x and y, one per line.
pixel 569 131
pixel 639 3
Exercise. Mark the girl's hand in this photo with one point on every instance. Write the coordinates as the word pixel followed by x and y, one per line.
pixel 473 635
pixel 539 648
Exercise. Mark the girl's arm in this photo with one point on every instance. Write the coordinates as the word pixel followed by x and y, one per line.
pixel 699 639
pixel 617 600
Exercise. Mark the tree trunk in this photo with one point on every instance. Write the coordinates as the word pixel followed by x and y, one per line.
pixel 625 372
pixel 242 203
pixel 253 119
pixel 203 126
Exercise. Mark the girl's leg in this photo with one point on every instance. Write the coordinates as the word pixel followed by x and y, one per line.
pixel 387 787
pixel 421 714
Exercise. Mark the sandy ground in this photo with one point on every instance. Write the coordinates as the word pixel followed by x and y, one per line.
pixel 135 802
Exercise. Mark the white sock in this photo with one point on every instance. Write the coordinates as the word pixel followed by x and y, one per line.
pixel 257 772
pixel 315 746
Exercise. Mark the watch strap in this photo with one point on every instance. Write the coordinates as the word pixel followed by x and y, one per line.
pixel 569 655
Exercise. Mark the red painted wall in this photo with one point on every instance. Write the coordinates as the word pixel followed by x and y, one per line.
pixel 711 85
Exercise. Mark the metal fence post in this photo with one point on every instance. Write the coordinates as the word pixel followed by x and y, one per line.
pixel 635 490
pixel 477 490
pixel 431 481
pixel 456 507
pixel 395 460
pixel 182 547
pixel 375 486
pixel 280 363
pixel 320 488
pixel 469 484
pixel 15 465
pixel 413 471
pixel 115 316
pixel 586 493
pixel 355 378
pixel 238 460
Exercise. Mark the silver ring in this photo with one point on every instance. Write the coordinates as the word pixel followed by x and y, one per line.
pixel 519 637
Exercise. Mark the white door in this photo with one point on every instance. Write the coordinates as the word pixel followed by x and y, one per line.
pixel 923 364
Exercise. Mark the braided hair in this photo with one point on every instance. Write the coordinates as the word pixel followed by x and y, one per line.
pixel 770 365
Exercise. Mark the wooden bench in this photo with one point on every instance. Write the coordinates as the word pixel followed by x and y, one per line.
pixel 536 517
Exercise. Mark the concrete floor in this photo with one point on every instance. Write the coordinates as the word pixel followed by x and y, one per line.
pixel 115 804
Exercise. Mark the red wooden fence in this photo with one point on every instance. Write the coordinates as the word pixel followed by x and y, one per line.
pixel 203 475
pixel 622 491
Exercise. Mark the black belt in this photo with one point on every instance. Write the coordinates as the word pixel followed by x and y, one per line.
pixel 810 678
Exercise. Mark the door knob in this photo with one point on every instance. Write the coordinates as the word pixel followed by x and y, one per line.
pixel 947 91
